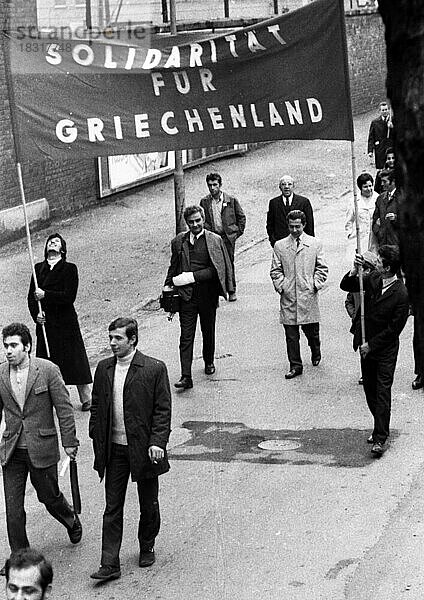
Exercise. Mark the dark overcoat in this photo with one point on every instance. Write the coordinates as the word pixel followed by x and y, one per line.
pixel 277 226
pixel 147 414
pixel 379 140
pixel 180 262
pixel 66 345
pixel 232 215
pixel 385 314
pixel 386 231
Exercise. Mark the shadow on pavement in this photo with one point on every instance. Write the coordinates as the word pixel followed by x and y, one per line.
pixel 225 442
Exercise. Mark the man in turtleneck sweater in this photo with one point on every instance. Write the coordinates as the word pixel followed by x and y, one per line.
pixel 130 426
pixel 386 312
pixel 29 389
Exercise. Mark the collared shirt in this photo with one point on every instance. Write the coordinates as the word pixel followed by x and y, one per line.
pixel 387 283
pixel 192 237
pixel 288 200
pixel 216 213
pixel 18 380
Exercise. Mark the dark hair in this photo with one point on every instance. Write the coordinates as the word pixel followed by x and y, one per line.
pixel 389 173
pixel 131 327
pixel 191 210
pixel 62 241
pixel 390 257
pixel 18 329
pixel 29 557
pixel 296 214
pixel 389 151
pixel 363 178
pixel 384 103
pixel 214 177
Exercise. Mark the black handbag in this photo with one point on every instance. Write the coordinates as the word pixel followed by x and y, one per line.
pixel 170 302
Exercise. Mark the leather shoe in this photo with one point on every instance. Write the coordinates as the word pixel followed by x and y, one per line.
pixel 316 361
pixel 146 558
pixel 418 383
pixel 106 572
pixel 210 369
pixel 293 373
pixel 232 297
pixel 75 532
pixel 370 440
pixel 378 449
pixel 185 383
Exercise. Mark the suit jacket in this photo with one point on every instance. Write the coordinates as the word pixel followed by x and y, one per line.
pixel 180 262
pixel 147 414
pixel 385 314
pixel 386 231
pixel 45 389
pixel 379 141
pixel 232 215
pixel 276 220
pixel 298 272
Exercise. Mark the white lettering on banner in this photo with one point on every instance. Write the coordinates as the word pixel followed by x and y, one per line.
pixel 80 60
pixel 193 119
pixel 174 59
pixel 95 128
pixel 142 125
pixel 164 123
pixel 206 79
pixel 196 52
pixel 274 29
pixel 66 131
pixel 157 81
pixel 235 116
pixel 182 86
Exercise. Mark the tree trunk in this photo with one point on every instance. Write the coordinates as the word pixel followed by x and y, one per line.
pixel 404 22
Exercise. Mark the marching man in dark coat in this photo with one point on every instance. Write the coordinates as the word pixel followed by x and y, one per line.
pixel 57 289
pixel 201 270
pixel 380 136
pixel 130 425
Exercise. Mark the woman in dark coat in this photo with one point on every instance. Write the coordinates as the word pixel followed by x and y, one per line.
pixel 57 289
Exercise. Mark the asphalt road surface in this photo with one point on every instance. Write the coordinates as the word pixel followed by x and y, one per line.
pixel 314 516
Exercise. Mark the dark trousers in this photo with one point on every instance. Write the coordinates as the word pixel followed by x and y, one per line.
pixel 230 246
pixel 117 475
pixel 205 306
pixel 417 343
pixel 377 377
pixel 45 483
pixel 311 331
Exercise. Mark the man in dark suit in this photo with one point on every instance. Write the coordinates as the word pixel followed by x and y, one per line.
pixel 29 390
pixel 130 424
pixel 386 313
pixel 385 220
pixel 380 136
pixel 279 207
pixel 224 216
pixel 201 270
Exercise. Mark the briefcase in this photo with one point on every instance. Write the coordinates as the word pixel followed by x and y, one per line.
pixel 170 301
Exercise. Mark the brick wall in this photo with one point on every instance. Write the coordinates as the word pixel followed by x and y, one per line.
pixel 367 59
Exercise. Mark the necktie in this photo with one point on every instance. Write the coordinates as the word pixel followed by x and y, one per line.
pixel 298 241
pixel 287 203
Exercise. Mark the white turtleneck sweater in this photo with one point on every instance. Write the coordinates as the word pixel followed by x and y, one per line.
pixel 118 426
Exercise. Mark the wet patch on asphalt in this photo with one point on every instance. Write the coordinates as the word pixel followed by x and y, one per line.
pixel 226 442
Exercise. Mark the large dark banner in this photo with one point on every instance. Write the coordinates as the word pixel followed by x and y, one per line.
pixel 284 78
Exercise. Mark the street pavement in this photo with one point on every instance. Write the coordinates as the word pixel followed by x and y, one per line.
pixel 315 518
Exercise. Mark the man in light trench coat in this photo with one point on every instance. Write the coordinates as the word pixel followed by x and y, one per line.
pixel 298 271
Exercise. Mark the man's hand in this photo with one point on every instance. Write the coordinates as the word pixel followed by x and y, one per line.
pixel 72 452
pixel 41 318
pixel 364 350
pixel 185 278
pixel 39 294
pixel 156 454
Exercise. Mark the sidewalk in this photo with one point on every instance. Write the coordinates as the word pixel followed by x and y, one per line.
pixel 308 521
